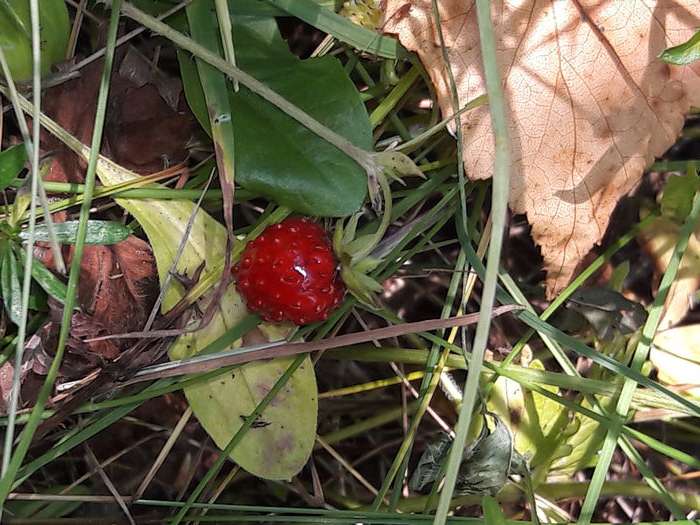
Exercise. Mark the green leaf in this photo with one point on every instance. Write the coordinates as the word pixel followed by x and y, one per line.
pixel 236 7
pixel 492 511
pixel 537 422
pixel 275 155
pixel 280 442
pixel 607 311
pixel 11 163
pixel 360 38
pixel 278 450
pixel 543 430
pixel 428 468
pixel 23 200
pixel 584 438
pixel 683 54
pixel 16 41
pixel 9 284
pixel 51 284
pixel 677 198
pixel 98 232
pixel 215 87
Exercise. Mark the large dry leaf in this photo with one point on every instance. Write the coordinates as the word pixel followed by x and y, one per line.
pixel 590 103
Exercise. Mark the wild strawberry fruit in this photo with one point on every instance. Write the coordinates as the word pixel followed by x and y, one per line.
pixel 289 273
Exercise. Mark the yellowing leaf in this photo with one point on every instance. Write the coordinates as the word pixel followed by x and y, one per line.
pixel 659 240
pixel 555 442
pixel 278 446
pixel 530 416
pixel 590 102
pixel 676 355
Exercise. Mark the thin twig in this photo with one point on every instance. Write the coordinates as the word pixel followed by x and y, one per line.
pixel 92 460
pixel 163 454
pixel 203 363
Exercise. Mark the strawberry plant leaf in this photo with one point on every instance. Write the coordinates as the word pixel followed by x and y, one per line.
pixel 98 232
pixel 300 170
pixel 361 38
pixel 16 40
pixel 11 163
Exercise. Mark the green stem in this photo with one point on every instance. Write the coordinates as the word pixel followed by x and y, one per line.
pixel 412 144
pixel 27 277
pixel 554 491
pixel 365 425
pixel 389 102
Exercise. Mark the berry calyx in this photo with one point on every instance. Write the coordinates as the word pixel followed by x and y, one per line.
pixel 289 273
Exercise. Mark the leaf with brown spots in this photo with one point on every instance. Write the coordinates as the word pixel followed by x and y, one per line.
pixel 590 103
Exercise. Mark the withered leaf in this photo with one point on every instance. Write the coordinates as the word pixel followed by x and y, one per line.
pixel 116 291
pixel 142 131
pixel 590 103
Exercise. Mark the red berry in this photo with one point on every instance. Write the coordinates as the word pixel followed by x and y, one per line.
pixel 289 273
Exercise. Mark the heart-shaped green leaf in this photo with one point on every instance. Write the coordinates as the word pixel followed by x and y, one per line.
pixel 276 156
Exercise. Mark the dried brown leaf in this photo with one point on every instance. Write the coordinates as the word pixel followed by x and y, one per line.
pixel 116 291
pixel 143 132
pixel 590 103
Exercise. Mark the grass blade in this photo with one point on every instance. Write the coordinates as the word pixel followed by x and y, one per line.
pixel 10 259
pixel 215 89
pixel 500 189
pixel 640 355
pixel 341 28
pixel 8 478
